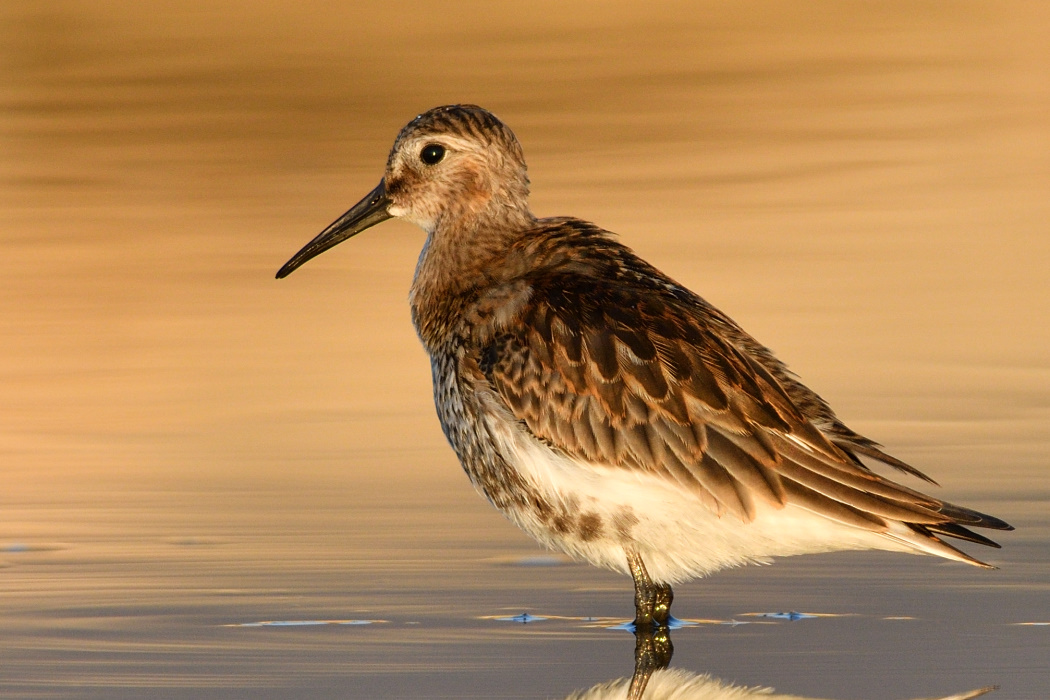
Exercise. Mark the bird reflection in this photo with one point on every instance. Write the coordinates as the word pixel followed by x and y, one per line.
pixel 677 684
pixel 653 680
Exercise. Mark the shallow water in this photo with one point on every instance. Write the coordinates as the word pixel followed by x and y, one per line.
pixel 190 448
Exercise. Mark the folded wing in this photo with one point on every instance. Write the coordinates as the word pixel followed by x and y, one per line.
pixel 634 378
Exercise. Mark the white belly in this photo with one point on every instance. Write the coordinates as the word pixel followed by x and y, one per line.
pixel 607 509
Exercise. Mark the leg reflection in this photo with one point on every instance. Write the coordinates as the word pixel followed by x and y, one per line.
pixel 652 651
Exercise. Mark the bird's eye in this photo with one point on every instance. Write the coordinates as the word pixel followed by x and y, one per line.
pixel 432 153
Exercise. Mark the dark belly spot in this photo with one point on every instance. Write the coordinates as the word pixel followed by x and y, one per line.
pixel 561 523
pixel 589 526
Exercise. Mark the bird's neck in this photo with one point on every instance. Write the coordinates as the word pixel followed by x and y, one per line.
pixel 457 263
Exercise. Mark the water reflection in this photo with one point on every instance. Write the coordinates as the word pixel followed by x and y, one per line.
pixel 653 680
pixel 677 684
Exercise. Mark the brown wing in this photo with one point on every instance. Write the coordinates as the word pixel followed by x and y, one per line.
pixel 629 377
pixel 811 405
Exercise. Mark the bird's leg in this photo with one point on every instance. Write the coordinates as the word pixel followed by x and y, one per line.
pixel 652 638
pixel 652 601
pixel 644 592
pixel 662 604
pixel 652 651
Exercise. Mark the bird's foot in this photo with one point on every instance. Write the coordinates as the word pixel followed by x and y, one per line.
pixel 652 601
pixel 652 607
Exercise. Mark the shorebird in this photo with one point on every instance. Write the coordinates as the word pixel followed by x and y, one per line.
pixel 605 409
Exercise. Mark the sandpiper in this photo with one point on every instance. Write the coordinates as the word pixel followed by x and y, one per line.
pixel 605 409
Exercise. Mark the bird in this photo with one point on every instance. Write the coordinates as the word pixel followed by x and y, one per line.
pixel 607 410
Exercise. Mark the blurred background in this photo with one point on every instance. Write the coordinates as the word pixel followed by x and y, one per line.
pixel 186 443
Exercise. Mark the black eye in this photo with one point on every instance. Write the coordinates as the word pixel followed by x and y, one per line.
pixel 432 153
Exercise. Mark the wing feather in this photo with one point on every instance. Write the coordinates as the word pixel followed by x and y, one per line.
pixel 635 378
pixel 746 470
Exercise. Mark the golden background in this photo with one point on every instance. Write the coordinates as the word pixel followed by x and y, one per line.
pixel 865 187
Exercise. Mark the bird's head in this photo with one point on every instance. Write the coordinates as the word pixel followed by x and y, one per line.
pixel 457 163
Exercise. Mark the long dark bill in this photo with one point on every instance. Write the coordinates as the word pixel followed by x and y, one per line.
pixel 365 214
